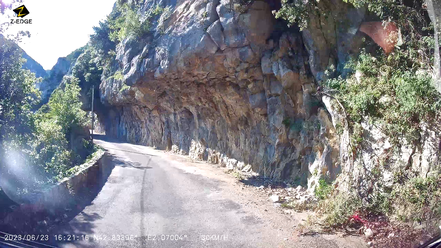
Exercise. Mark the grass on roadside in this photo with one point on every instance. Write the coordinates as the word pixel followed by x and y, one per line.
pixel 97 152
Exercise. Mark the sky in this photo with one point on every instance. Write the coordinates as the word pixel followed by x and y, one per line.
pixel 58 26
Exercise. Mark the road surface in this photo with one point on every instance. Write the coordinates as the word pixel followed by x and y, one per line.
pixel 157 199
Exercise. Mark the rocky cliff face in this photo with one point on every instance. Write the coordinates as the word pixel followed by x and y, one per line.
pixel 34 66
pixel 30 63
pixel 64 66
pixel 219 81
pixel 50 83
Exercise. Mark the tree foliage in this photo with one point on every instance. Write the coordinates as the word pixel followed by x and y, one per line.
pixel 17 93
pixel 41 139
pixel 54 124
pixel 126 22
pixel 393 91
pixel 295 12
pixel 405 13
pixel 88 69
pixel 100 39
pixel 65 105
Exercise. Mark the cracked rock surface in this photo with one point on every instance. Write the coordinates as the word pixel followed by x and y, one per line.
pixel 221 82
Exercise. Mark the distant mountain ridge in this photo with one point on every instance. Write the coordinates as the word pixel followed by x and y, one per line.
pixel 33 66
pixel 51 78
pixel 56 74
pixel 30 63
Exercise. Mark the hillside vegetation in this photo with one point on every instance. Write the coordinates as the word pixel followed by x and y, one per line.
pixel 37 147
pixel 393 92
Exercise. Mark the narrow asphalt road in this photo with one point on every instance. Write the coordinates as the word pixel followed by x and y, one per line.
pixel 156 199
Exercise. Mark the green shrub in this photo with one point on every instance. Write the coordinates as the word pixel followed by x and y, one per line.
pixel 124 87
pixel 127 23
pixel 340 208
pixel 415 200
pixel 323 189
pixel 54 123
pixel 295 12
pixel 418 199
pixel 51 148
pixel 158 10
pixel 397 97
pixel 65 106
pixel 118 76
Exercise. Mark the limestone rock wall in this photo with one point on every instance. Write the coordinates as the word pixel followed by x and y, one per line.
pixel 218 84
pixel 218 81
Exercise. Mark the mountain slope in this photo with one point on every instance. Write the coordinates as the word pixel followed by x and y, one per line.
pixel 30 64
pixel 34 66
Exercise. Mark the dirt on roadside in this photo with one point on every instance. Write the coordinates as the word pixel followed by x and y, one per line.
pixel 254 193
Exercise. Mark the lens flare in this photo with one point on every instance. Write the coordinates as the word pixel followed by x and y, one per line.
pixel 7 2
pixel 16 177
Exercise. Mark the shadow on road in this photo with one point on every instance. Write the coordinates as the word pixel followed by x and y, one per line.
pixel 116 161
pixel 107 138
pixel 30 219
pixel 69 221
pixel 77 222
